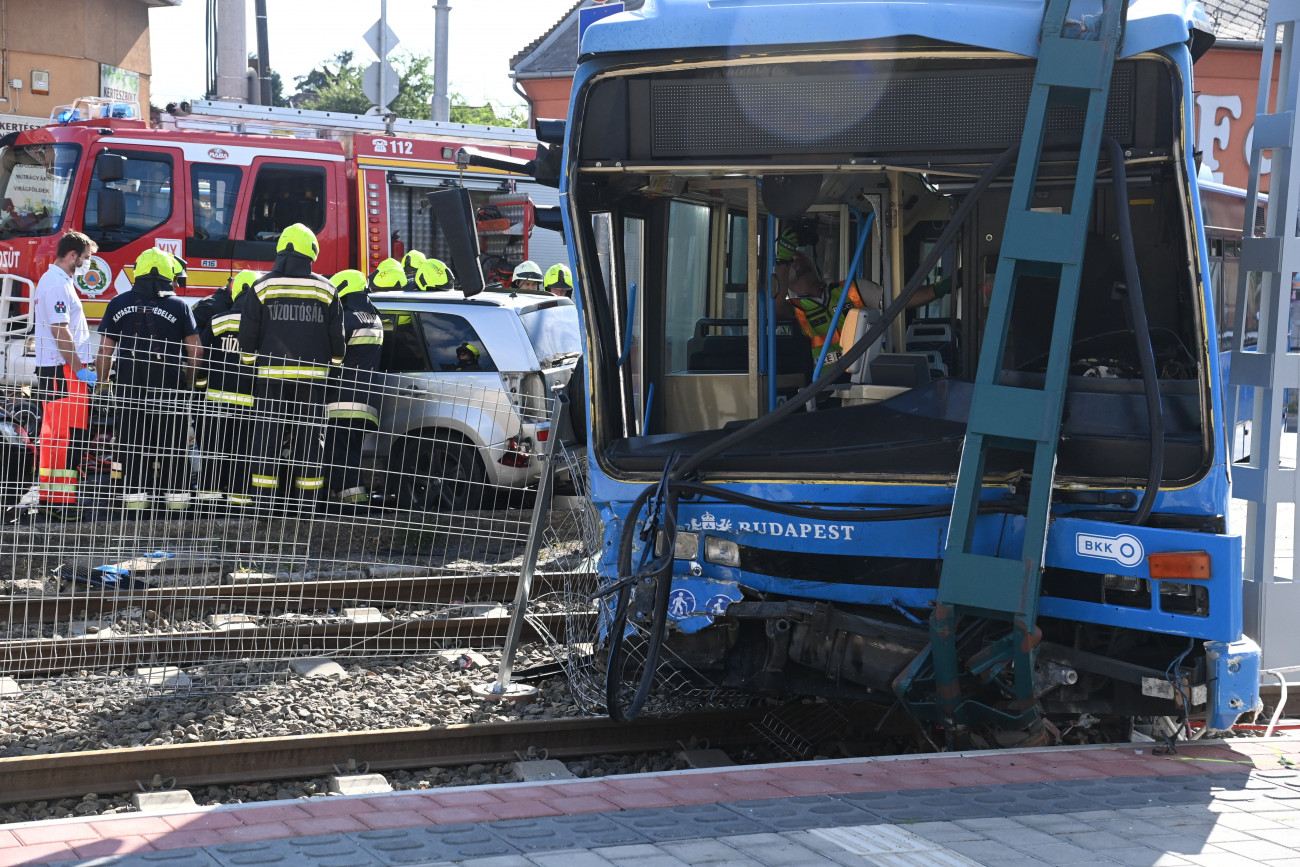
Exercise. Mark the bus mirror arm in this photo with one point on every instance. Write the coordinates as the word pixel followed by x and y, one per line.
pixel 466 157
pixel 544 168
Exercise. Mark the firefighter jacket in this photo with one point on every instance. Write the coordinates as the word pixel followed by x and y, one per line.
pixel 352 397
pixel 814 315
pixel 224 378
pixel 291 323
pixel 149 327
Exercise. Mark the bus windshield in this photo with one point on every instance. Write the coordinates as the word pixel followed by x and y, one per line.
pixel 35 181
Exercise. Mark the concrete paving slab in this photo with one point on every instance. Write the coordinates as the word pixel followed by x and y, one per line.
pixel 810 811
pixel 590 831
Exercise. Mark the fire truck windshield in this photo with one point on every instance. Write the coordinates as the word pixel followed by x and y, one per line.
pixel 35 181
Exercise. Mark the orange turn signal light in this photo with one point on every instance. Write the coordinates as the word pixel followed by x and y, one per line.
pixel 1179 565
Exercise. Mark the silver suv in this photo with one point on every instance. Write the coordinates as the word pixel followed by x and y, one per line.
pixel 458 434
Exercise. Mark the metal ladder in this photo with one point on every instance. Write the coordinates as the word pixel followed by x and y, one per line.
pixel 1269 600
pixel 1074 72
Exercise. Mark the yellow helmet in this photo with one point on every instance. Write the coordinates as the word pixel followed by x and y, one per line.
pixel 412 261
pixel 240 282
pixel 156 263
pixel 389 275
pixel 349 281
pixel 433 276
pixel 298 239
pixel 558 276
pixel 178 265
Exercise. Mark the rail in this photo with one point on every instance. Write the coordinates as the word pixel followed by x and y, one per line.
pixel 36 778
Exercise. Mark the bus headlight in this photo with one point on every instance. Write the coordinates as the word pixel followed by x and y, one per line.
pixel 685 547
pixel 724 552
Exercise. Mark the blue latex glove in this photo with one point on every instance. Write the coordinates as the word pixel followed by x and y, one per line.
pixel 88 376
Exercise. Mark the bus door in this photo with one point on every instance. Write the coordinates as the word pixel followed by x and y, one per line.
pixel 130 206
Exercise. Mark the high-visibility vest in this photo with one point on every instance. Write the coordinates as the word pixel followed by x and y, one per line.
pixel 814 315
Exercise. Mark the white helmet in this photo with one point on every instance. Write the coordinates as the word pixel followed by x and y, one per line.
pixel 527 270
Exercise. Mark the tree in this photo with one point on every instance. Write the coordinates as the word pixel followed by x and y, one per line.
pixel 336 86
pixel 333 86
pixel 488 114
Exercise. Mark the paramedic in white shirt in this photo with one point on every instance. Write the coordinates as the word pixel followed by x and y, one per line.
pixel 64 355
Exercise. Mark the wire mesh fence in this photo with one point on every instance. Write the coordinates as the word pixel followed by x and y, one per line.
pixel 195 538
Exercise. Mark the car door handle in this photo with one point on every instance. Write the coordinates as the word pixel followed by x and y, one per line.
pixel 412 392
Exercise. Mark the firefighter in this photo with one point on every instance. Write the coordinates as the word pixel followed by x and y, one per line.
pixel 467 358
pixel 527 275
pixel 353 405
pixel 180 267
pixel 64 357
pixel 291 328
pixel 559 280
pixel 803 297
pixel 151 335
pixel 225 427
pixel 411 263
pixel 433 276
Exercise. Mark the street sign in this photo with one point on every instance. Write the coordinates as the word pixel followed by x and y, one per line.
pixel 372 39
pixel 370 84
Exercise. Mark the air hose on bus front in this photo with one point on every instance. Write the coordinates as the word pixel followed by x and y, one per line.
pixel 659 530
pixel 1141 330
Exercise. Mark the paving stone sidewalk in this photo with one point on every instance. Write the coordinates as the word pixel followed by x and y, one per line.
pixel 1211 804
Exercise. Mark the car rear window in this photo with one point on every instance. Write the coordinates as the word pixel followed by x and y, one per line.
pixel 554 333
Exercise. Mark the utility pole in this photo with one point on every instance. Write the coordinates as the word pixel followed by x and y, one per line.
pixel 263 53
pixel 440 107
pixel 232 51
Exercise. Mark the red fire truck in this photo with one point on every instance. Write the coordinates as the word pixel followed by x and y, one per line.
pixel 217 184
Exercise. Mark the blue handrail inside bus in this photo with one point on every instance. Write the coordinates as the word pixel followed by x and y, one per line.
pixel 627 331
pixel 863 234
pixel 645 418
pixel 767 311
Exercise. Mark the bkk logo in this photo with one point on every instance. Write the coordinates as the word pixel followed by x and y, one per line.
pixel 1124 549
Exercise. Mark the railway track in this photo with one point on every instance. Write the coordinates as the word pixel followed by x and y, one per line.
pixel 47 657
pixel 38 778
